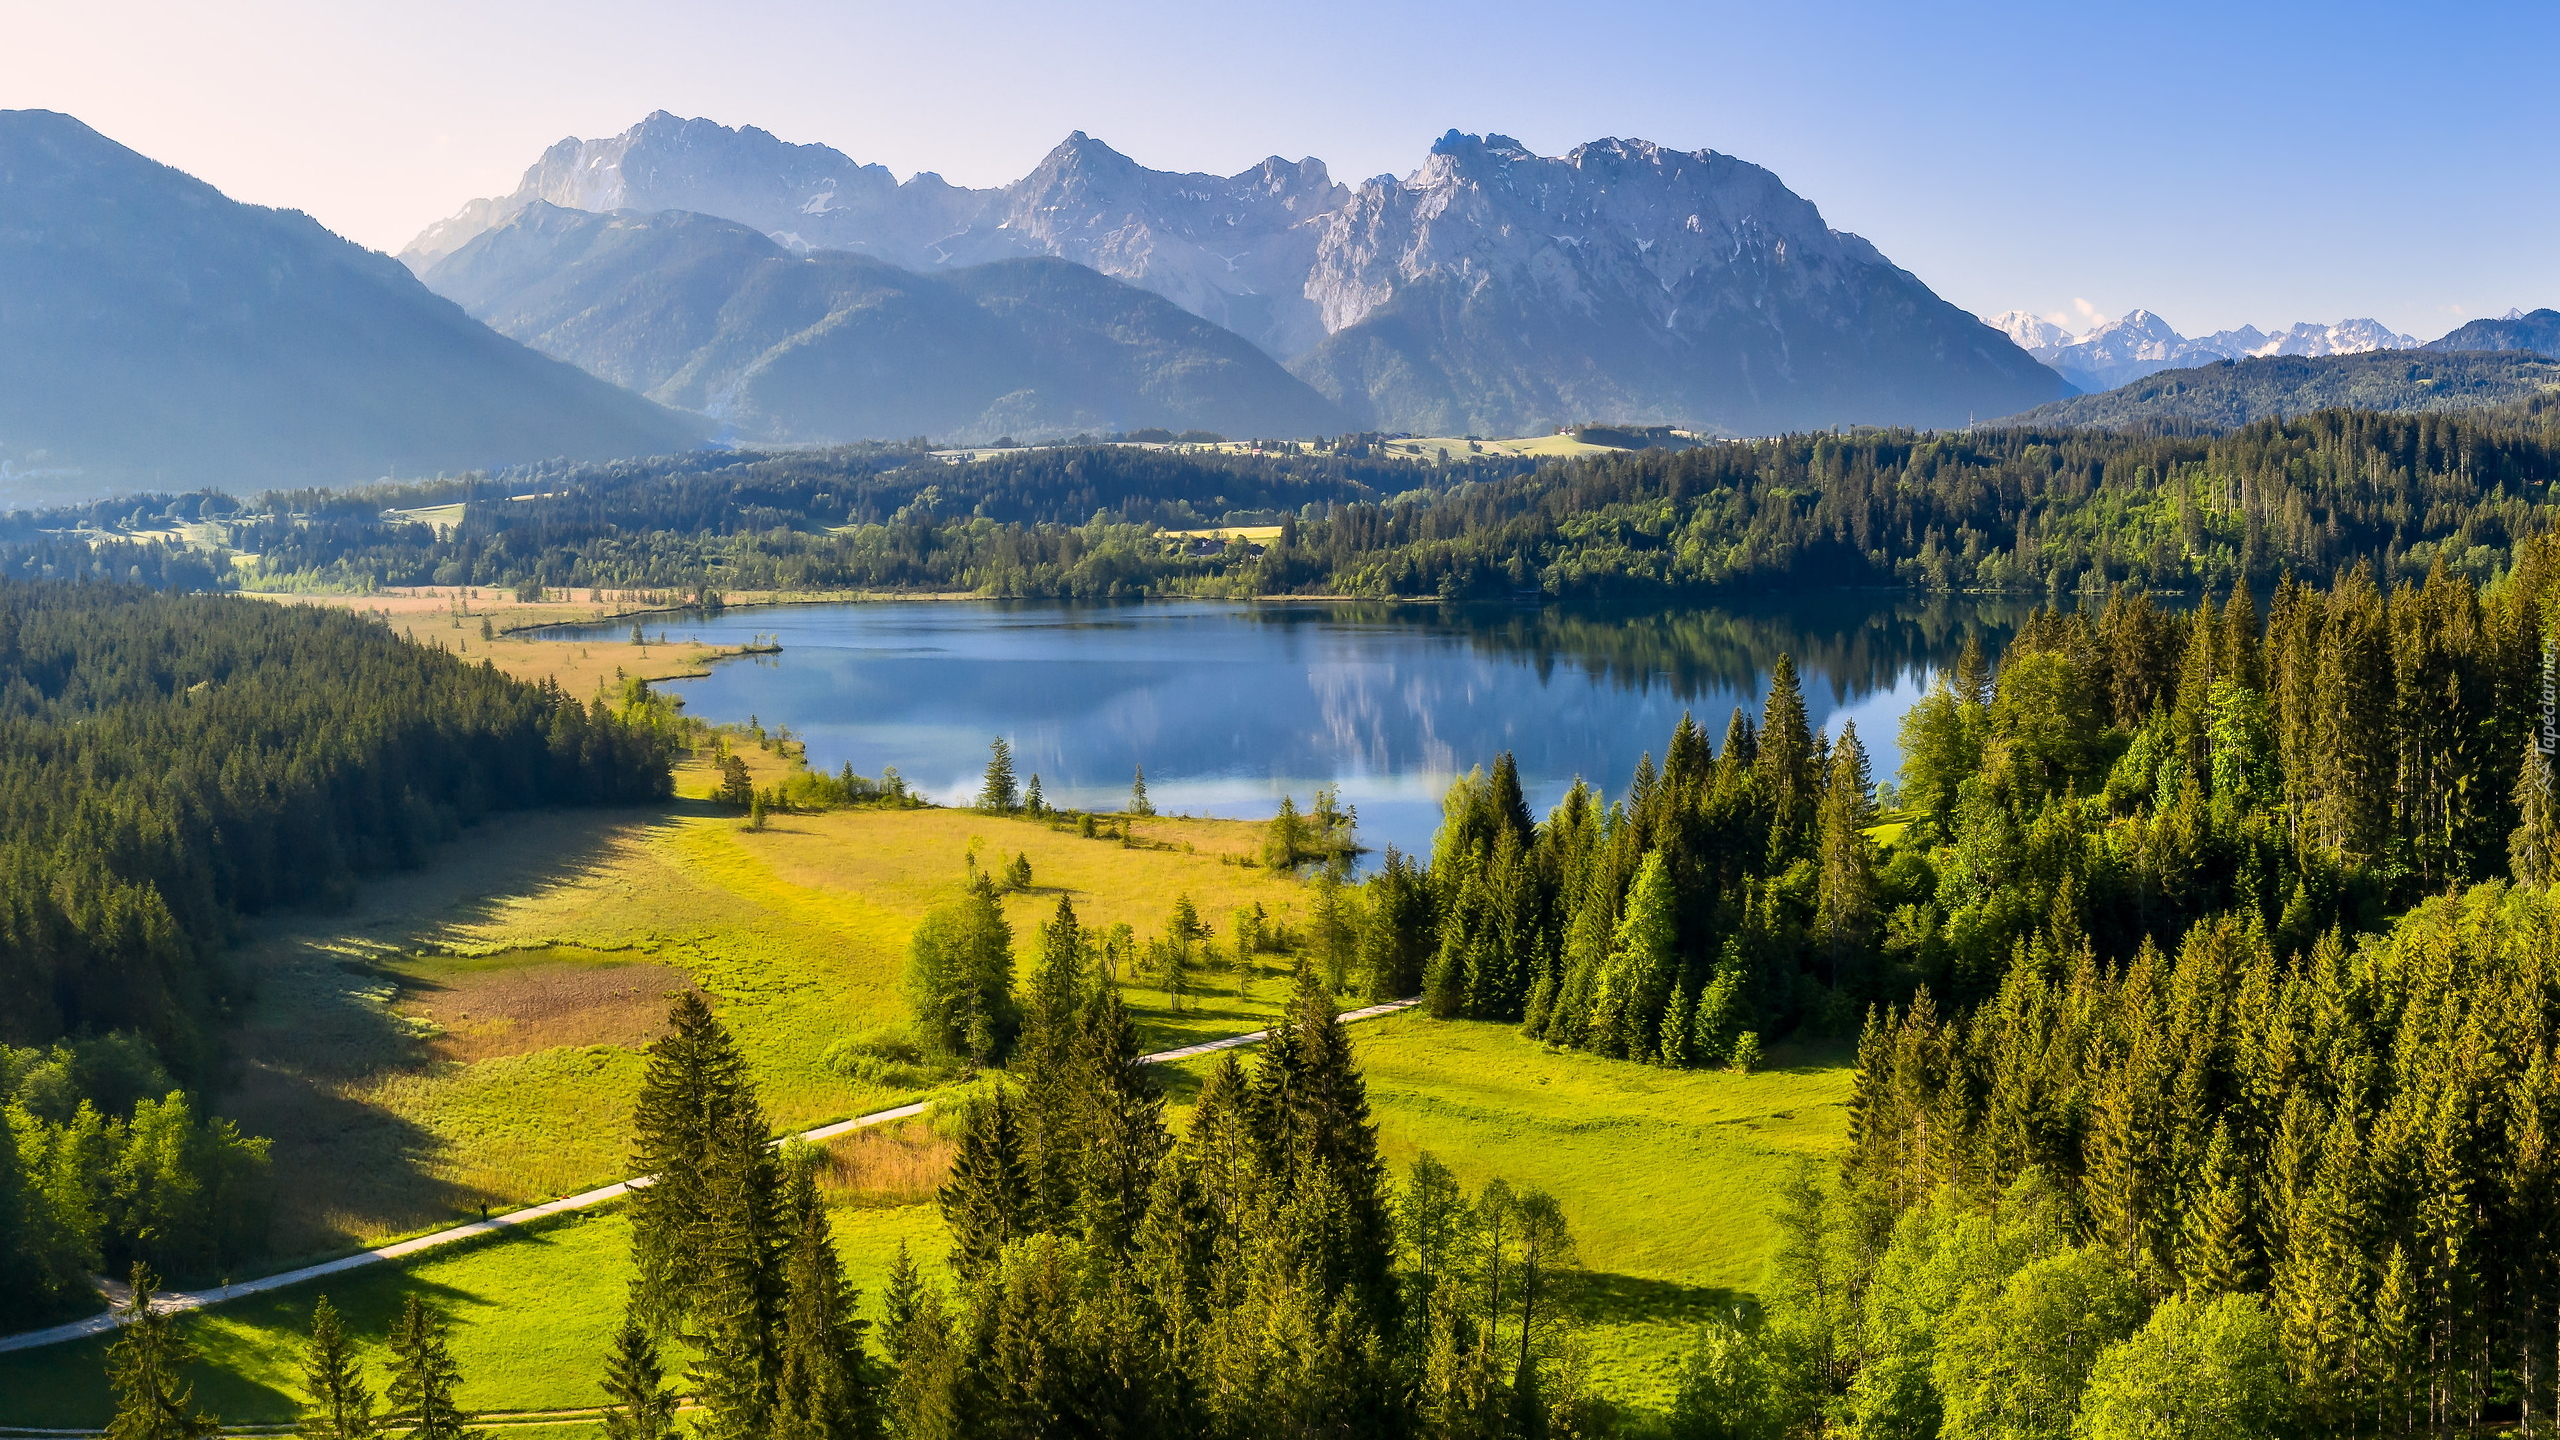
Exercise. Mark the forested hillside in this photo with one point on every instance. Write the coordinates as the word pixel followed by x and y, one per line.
pixel 2023 511
pixel 168 765
pixel 2163 1117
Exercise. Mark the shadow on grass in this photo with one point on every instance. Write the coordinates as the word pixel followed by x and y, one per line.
pixel 321 1030
pixel 1603 1298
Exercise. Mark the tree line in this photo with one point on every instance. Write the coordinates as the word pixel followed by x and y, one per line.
pixel 168 765
pixel 2024 511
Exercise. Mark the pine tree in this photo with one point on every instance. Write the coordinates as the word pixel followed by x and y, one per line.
pixel 997 791
pixel 1845 909
pixel 152 1402
pixel 900 1304
pixel 694 1091
pixel 1044 1059
pixel 1643 963
pixel 643 1407
pixel 424 1378
pixel 2533 852
pixel 1031 801
pixel 822 1388
pixel 1138 795
pixel 987 1201
pixel 1122 1124
pixel 2217 1252
pixel 1789 784
pixel 338 1404
pixel 742 1243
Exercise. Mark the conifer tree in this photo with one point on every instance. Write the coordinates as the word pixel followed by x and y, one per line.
pixel 1045 1058
pixel 997 791
pixel 1032 803
pixel 2533 852
pixel 1845 911
pixel 1138 795
pixel 642 1407
pixel 337 1404
pixel 143 1367
pixel 900 1303
pixel 424 1377
pixel 1788 783
pixel 987 1202
pixel 694 1092
pixel 822 1386
pixel 1643 963
pixel 1122 1124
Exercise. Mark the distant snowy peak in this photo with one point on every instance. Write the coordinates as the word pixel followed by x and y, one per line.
pixel 2032 332
pixel 2140 343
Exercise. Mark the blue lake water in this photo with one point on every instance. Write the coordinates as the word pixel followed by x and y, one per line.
pixel 1230 706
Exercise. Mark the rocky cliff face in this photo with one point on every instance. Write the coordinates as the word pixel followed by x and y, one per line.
pixel 1491 291
pixel 1499 291
pixel 807 197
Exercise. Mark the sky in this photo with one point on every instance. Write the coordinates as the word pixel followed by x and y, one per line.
pixel 2218 164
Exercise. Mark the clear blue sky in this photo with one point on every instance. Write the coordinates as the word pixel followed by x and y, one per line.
pixel 2217 163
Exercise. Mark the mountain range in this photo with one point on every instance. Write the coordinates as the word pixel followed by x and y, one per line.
pixel 714 316
pixel 2140 343
pixel 2226 394
pixel 1490 291
pixel 155 332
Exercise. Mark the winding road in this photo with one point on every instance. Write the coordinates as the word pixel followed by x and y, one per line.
pixel 176 1300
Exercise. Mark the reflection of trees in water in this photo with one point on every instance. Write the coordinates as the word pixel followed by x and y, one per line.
pixel 1856 643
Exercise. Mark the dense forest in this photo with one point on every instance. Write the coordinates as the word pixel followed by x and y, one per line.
pixel 2208 997
pixel 2020 510
pixel 168 765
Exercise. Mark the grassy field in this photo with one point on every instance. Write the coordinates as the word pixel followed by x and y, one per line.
pixel 470 1034
pixel 1668 1180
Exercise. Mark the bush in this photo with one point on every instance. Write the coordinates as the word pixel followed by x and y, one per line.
pixel 888 1058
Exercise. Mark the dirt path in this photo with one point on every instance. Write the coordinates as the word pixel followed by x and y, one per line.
pixel 177 1300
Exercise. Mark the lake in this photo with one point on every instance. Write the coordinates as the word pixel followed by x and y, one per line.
pixel 1229 706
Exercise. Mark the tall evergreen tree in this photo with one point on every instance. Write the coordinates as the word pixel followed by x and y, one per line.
pixel 997 791
pixel 2533 852
pixel 1138 803
pixel 424 1378
pixel 694 1096
pixel 152 1402
pixel 1845 910
pixel 735 1313
pixel 1788 782
pixel 987 1202
pixel 642 1407
pixel 337 1404
pixel 822 1387
pixel 1122 1124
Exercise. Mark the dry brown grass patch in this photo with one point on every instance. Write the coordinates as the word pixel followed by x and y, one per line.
pixel 489 1008
pixel 902 1163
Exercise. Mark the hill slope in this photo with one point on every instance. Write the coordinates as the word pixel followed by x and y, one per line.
pixel 708 314
pixel 2538 332
pixel 154 332
pixel 2231 393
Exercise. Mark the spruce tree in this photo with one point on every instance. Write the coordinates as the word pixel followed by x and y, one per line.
pixel 1032 803
pixel 741 1245
pixel 424 1378
pixel 152 1402
pixel 1788 782
pixel 337 1403
pixel 1121 1124
pixel 1138 795
pixel 987 1202
pixel 1044 1060
pixel 1845 907
pixel 997 791
pixel 694 1091
pixel 822 1387
pixel 642 1407
pixel 2533 851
